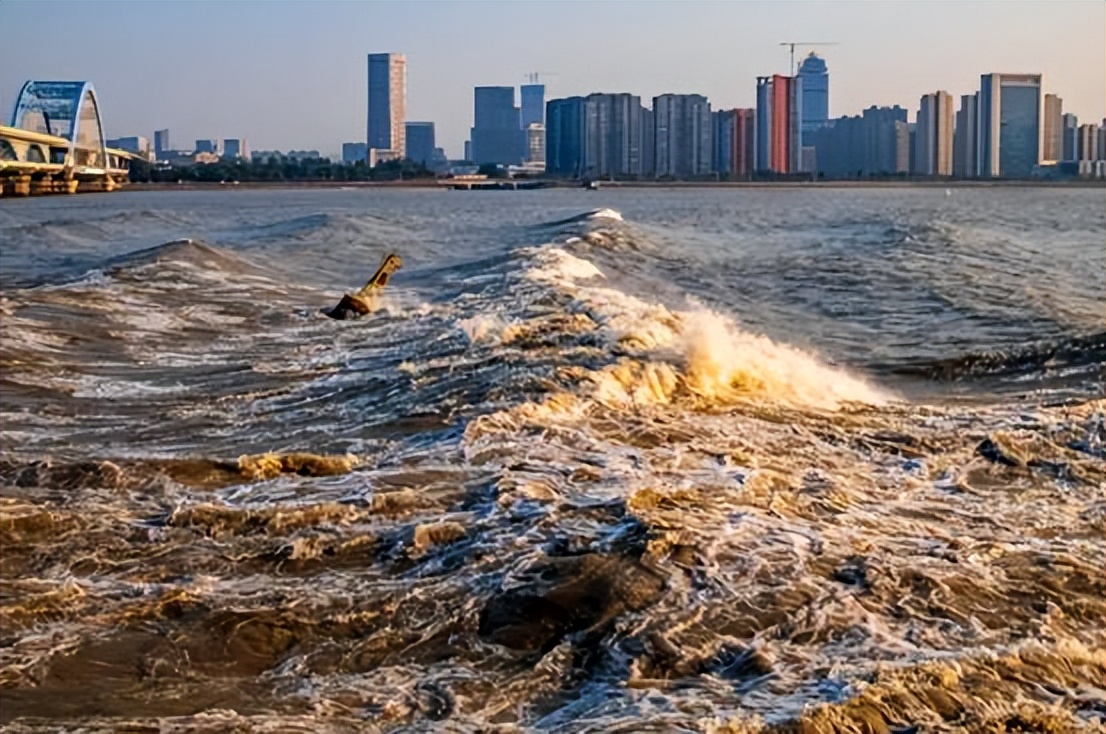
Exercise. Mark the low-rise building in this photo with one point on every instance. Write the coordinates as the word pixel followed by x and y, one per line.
pixel 354 152
pixel 135 144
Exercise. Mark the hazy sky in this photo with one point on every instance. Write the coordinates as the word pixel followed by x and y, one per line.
pixel 293 74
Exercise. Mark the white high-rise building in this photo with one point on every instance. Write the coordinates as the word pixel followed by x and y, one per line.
pixel 1010 130
pixel 1053 128
pixel 933 135
pixel 387 106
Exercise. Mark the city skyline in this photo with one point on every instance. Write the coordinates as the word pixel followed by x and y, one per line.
pixel 876 60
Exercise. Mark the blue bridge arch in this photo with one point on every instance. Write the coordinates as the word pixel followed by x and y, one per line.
pixel 67 110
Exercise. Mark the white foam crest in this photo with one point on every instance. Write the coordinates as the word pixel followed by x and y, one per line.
pixel 717 363
pixel 92 386
pixel 630 321
pixel 715 360
pixel 605 214
pixel 724 363
pixel 483 329
pixel 557 267
pixel 630 384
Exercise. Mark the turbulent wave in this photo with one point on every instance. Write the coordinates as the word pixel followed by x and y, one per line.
pixel 190 252
pixel 1076 353
pixel 587 217
pixel 541 489
pixel 711 359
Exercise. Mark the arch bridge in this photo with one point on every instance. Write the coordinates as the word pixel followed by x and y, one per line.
pixel 55 143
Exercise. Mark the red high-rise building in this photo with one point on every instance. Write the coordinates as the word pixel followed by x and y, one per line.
pixel 783 149
pixel 778 124
pixel 742 150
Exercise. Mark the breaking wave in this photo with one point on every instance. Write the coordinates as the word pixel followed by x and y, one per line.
pixel 709 358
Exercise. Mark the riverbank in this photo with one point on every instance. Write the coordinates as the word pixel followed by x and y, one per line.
pixel 605 185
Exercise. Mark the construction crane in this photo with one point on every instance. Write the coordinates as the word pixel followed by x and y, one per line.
pixel 793 44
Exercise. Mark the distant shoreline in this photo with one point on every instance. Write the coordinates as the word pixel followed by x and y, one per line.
pixel 607 186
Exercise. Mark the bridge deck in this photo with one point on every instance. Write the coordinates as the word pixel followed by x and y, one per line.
pixel 30 136
pixel 31 167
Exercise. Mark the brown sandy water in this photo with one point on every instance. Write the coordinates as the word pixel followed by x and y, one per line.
pixel 733 461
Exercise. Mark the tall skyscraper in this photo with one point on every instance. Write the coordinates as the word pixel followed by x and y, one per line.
pixel 387 105
pixel 815 94
pixel 535 143
pixel 612 136
pixel 1009 125
pixel 648 143
pixel 779 115
pixel 885 139
pixel 1088 143
pixel 564 136
pixel 161 142
pixel 532 97
pixel 839 148
pixel 599 136
pixel 497 135
pixel 741 149
pixel 965 139
pixel 723 123
pixel 763 136
pixel 420 142
pixel 682 136
pixel 933 135
pixel 1053 128
pixel 875 143
pixel 734 134
pixel 904 139
pixel 1070 123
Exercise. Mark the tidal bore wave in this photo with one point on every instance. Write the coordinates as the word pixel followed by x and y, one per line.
pixel 548 501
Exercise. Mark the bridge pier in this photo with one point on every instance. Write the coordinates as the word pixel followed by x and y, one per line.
pixel 95 185
pixel 35 164
pixel 21 185
pixel 43 185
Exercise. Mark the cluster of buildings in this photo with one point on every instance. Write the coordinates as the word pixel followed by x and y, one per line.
pixel 389 135
pixel 204 151
pixel 502 133
pixel 1008 129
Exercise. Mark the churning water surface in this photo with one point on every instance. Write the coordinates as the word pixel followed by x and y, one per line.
pixel 636 459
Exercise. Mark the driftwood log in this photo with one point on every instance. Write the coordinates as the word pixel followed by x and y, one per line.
pixel 356 305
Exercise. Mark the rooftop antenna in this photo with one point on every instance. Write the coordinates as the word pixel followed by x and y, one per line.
pixel 533 76
pixel 793 44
